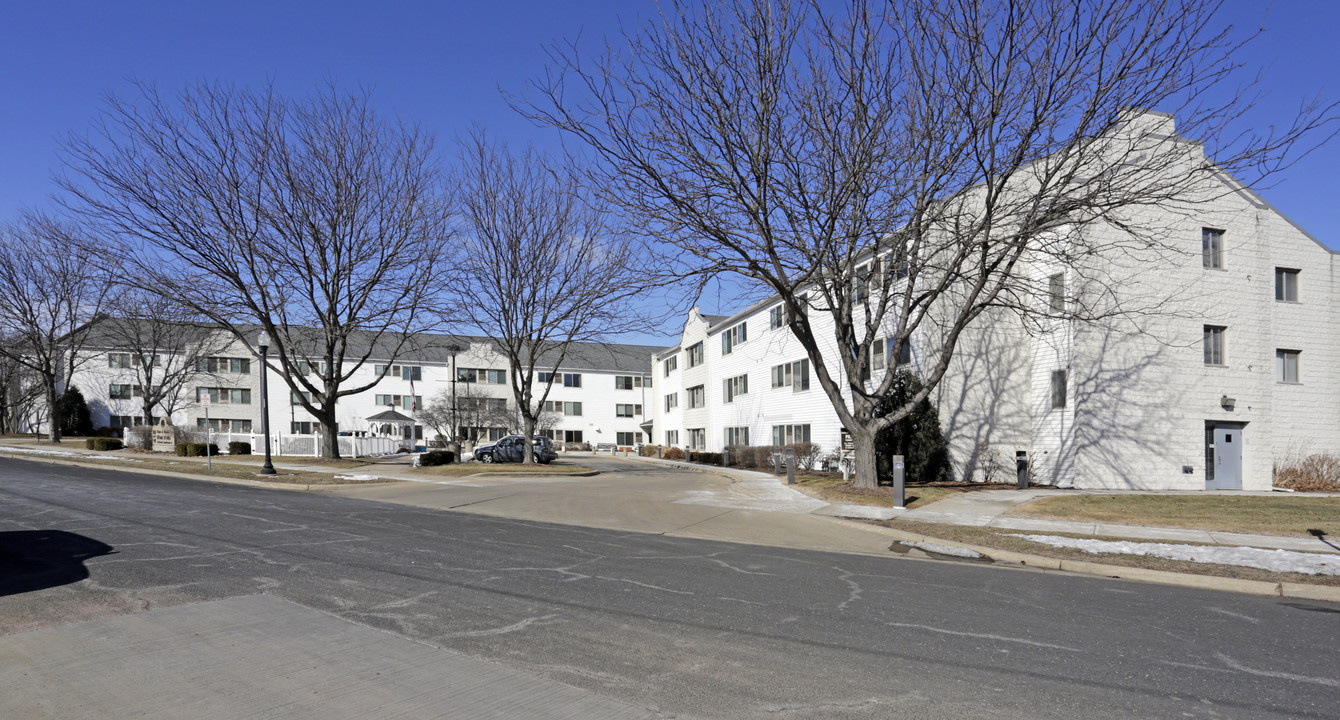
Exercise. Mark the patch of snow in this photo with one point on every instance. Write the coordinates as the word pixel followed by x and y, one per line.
pixel 467 456
pixel 1273 560
pixel 942 549
pixel 356 478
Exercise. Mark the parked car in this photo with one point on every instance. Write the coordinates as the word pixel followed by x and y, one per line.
pixel 512 449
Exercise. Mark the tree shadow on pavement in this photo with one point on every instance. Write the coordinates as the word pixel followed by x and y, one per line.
pixel 38 559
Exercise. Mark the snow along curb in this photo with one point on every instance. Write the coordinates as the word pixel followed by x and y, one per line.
pixel 1298 591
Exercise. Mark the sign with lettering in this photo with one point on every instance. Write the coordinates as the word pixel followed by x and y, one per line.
pixel 164 437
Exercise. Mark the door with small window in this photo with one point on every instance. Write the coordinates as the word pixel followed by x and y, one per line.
pixel 1223 457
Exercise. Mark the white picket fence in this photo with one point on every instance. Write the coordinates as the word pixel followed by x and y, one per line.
pixel 310 445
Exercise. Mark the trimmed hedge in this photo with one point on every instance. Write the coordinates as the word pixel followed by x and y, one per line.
pixel 436 457
pixel 706 458
pixel 104 443
pixel 673 453
pixel 196 449
pixel 237 447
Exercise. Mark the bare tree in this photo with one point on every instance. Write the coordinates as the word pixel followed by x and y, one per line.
pixel 471 407
pixel 168 350
pixel 315 221
pixel 48 291
pixel 21 396
pixel 898 168
pixel 538 268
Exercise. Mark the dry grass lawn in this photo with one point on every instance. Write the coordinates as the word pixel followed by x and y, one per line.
pixel 1001 539
pixel 1273 515
pixel 831 488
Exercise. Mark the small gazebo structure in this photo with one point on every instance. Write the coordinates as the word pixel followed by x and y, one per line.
pixel 382 422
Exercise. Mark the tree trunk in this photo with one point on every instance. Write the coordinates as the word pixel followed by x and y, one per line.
pixel 867 475
pixel 529 450
pixel 330 434
pixel 52 399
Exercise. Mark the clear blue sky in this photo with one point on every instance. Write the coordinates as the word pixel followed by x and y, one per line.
pixel 442 64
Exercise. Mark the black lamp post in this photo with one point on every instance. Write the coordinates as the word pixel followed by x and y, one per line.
pixel 455 427
pixel 263 344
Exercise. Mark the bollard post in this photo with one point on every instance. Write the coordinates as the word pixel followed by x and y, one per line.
pixel 899 497
pixel 725 457
pixel 1021 468
pixel 777 463
pixel 659 448
pixel 790 467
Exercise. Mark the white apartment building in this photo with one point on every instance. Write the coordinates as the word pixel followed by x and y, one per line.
pixel 600 395
pixel 1238 369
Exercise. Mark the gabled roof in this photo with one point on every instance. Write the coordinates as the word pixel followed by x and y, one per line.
pixel 391 416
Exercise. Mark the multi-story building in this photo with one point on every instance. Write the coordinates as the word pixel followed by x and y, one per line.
pixel 1233 367
pixel 600 394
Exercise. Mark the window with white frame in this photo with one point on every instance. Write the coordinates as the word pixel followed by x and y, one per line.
pixel 302 427
pixel 1212 248
pixel 119 360
pixel 737 436
pixel 671 364
pixel 694 355
pixel 697 396
pixel 697 439
pixel 572 436
pixel 795 375
pixel 565 408
pixel 234 366
pixel 1214 344
pixel 125 421
pixel 295 397
pixel 671 437
pixel 469 375
pixel 789 434
pixel 627 410
pixel 1056 292
pixel 224 396
pixel 1286 285
pixel 119 391
pixel 671 401
pixel 738 385
pixel 860 284
pixel 777 317
pixel 225 425
pixel 1286 366
pixel 732 337
pixel 631 382
pixel 1058 389
pixel 628 438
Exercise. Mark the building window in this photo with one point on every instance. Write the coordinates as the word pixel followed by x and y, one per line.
pixel 119 392
pixel 671 437
pixel 1286 285
pixel 118 360
pixel 695 354
pixel 738 385
pixel 777 317
pixel 733 337
pixel 789 434
pixel 737 436
pixel 627 410
pixel 1214 345
pixel 469 375
pixel 795 375
pixel 697 439
pixel 411 372
pixel 566 408
pixel 671 401
pixel 628 438
pixel 572 380
pixel 224 396
pixel 1058 389
pixel 235 366
pixel 295 397
pixel 300 427
pixel 697 396
pixel 671 364
pixel 125 421
pixel 1212 248
pixel 1286 366
pixel 1056 291
pixel 226 425
pixel 629 382
pixel 495 377
pixel 860 284
pixel 572 436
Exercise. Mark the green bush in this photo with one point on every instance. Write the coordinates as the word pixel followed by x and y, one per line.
pixel 237 447
pixel 673 453
pixel 104 443
pixel 706 458
pixel 72 413
pixel 436 457
pixel 196 449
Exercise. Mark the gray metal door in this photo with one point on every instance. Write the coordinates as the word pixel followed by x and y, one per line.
pixel 1228 458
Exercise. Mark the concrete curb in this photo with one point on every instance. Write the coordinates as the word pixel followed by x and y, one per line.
pixel 1299 591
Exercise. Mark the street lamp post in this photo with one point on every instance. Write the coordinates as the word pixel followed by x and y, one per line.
pixel 455 427
pixel 263 344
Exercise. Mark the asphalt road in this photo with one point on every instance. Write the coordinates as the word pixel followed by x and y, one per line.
pixel 690 628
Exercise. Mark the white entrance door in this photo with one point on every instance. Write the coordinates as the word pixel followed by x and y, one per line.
pixel 1227 459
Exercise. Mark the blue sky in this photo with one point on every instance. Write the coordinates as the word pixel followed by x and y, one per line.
pixel 443 63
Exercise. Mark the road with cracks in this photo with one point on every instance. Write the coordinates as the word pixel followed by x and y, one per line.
pixel 687 628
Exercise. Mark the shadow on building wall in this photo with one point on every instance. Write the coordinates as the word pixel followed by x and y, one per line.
pixel 39 559
pixel 983 408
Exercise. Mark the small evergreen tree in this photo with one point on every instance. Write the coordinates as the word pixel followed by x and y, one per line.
pixel 72 413
pixel 917 437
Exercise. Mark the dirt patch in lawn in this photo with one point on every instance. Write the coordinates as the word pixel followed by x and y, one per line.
pixel 1004 540
pixel 1291 515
